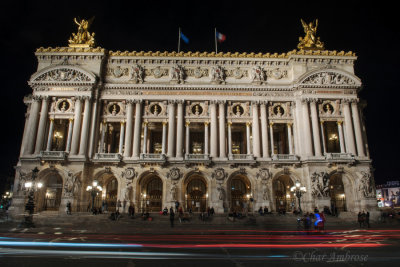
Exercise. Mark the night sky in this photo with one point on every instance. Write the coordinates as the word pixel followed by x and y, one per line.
pixel 369 30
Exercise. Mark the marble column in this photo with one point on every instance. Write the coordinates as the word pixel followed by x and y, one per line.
pixel 296 146
pixel 206 138
pixel 214 130
pixel 50 136
pixel 129 129
pixel 171 128
pixel 179 130
pixel 323 137
pixel 187 138
pixel 121 138
pixel 256 131
pixel 164 138
pixel 33 123
pixel 77 127
pixel 307 129
pixel 289 129
pixel 315 128
pixel 264 130
pixel 42 125
pixel 271 133
pixel 85 128
pixel 145 137
pixel 248 149
pixel 222 149
pixel 229 139
pixel 341 139
pixel 357 129
pixel 349 136
pixel 103 136
pixel 93 128
pixel 137 131
pixel 70 125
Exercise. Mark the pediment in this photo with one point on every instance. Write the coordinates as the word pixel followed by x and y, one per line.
pixel 329 78
pixel 63 74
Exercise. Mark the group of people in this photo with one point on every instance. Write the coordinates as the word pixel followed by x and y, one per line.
pixel 363 219
pixel 309 219
pixel 264 211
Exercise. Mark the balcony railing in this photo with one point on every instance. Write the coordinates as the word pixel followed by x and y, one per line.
pixel 107 157
pixel 285 157
pixel 53 155
pixel 197 157
pixel 241 157
pixel 339 156
pixel 153 158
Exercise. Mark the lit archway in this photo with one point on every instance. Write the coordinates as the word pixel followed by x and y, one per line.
pixel 51 192
pixel 151 193
pixel 284 198
pixel 196 193
pixel 111 194
pixel 337 193
pixel 239 189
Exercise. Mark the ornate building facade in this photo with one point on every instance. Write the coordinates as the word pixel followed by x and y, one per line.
pixel 224 130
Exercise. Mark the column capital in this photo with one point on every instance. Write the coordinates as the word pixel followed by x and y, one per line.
pixel 51 119
pixel 71 119
pixel 248 123
pixel 322 122
pixel 255 103
pixel 229 123
pixel 339 122
pixel 289 124
pixel 122 122
pixel 36 98
pixel 130 101
pixel 263 103
pixel 213 102
pixel 180 102
pixel 313 100
pixel 145 123
pixel 221 102
pixel 206 123
pixel 347 101
pixel 187 123
pixel 271 123
pixel 164 123
pixel 305 100
pixel 171 102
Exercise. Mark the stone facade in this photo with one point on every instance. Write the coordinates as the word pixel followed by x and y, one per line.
pixel 228 130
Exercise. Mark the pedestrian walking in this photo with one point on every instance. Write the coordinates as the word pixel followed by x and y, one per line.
pixel 171 216
pixel 367 219
pixel 69 208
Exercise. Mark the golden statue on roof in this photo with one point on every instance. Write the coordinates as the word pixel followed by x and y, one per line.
pixel 83 38
pixel 310 40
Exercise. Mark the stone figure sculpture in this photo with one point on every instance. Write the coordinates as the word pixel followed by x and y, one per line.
pixel 310 40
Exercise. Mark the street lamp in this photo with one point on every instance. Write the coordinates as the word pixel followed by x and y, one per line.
pixel 31 186
pixel 94 190
pixel 298 190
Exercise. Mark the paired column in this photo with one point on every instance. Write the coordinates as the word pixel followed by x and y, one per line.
pixel 314 118
pixel 229 139
pixel 341 139
pixel 171 128
pixel 121 138
pixel 145 137
pixel 77 126
pixel 357 129
pixel 307 129
pixel 349 137
pixel 214 131
pixel 50 136
pixel 42 125
pixel 85 128
pixel 256 131
pixel 248 138
pixel 187 147
pixel 70 125
pixel 103 136
pixel 129 124
pixel 93 128
pixel 264 130
pixel 179 131
pixel 271 133
pixel 164 138
pixel 323 137
pixel 137 131
pixel 289 129
pixel 206 138
pixel 32 126
pixel 222 152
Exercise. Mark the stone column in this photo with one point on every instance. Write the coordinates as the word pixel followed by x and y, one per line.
pixel 206 138
pixel 85 128
pixel 229 139
pixel 357 129
pixel 349 137
pixel 103 136
pixel 271 133
pixel 164 138
pixel 323 137
pixel 70 125
pixel 289 129
pixel 314 118
pixel 264 130
pixel 179 131
pixel 306 129
pixel 129 124
pixel 93 128
pixel 33 123
pixel 145 137
pixel 341 139
pixel 187 138
pixel 248 149
pixel 222 149
pixel 50 136
pixel 137 131
pixel 171 128
pixel 298 126
pixel 256 132
pixel 121 138
pixel 42 125
pixel 77 127
pixel 214 131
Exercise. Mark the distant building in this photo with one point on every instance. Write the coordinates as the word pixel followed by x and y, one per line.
pixel 388 195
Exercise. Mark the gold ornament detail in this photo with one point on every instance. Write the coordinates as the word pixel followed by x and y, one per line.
pixel 83 38
pixel 310 40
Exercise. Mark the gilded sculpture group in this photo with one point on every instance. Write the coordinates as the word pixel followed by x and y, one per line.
pixel 83 38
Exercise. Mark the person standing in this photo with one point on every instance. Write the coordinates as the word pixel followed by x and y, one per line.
pixel 367 219
pixel 171 216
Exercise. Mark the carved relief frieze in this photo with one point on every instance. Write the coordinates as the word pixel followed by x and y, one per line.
pixel 137 74
pixel 157 72
pixel 328 78
pixel 277 73
pixel 237 73
pixel 177 74
pixel 63 75
pixel 218 75
pixel 257 75
pixel 197 72
pixel 118 71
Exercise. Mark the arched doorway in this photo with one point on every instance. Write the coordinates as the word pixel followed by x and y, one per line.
pixel 111 194
pixel 337 194
pixel 196 194
pixel 240 193
pixel 151 194
pixel 53 190
pixel 284 198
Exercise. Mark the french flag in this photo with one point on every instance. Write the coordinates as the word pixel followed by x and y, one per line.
pixel 220 37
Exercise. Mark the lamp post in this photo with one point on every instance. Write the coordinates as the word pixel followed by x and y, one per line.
pixel 31 186
pixel 298 190
pixel 94 190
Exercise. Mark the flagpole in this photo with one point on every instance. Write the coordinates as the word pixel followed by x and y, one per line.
pixel 215 36
pixel 179 40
